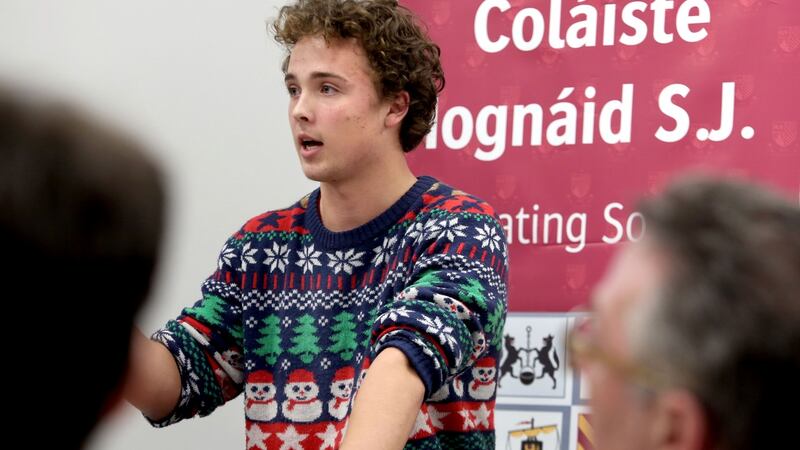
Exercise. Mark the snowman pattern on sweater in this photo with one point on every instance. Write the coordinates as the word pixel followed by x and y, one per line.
pixel 260 393
pixel 342 390
pixel 301 404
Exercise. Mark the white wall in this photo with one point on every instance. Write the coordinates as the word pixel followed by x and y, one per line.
pixel 200 82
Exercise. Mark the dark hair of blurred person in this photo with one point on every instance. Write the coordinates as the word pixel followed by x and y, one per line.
pixel 81 215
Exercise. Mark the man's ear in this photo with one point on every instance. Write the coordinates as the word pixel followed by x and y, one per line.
pixel 398 108
pixel 680 422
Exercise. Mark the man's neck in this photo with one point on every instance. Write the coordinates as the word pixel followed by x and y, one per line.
pixel 349 204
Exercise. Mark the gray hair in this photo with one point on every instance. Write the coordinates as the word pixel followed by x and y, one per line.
pixel 726 324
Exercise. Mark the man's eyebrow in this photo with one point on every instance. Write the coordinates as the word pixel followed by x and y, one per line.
pixel 315 75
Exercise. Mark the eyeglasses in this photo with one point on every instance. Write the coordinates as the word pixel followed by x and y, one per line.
pixel 583 348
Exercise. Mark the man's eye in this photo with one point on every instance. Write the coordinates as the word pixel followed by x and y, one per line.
pixel 327 89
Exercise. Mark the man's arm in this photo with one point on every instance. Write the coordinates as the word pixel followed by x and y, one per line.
pixel 153 383
pixel 389 401
pixel 185 368
pixel 454 304
pixel 451 310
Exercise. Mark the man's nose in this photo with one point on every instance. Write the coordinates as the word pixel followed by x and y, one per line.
pixel 301 109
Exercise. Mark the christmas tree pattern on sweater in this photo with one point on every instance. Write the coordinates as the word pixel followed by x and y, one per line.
pixel 294 313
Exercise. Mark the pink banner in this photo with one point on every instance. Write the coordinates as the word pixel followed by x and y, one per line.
pixel 562 113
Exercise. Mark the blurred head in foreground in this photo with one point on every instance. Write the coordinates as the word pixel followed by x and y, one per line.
pixel 695 337
pixel 81 212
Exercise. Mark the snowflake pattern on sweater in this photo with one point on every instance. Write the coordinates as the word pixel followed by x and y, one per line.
pixel 294 314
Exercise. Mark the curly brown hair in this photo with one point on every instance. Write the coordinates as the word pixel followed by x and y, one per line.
pixel 398 49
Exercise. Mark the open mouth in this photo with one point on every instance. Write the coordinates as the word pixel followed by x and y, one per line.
pixel 309 144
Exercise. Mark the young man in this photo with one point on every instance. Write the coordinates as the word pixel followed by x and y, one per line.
pixel 376 272
pixel 81 215
pixel 695 341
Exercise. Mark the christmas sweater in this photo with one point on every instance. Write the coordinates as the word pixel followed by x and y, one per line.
pixel 294 313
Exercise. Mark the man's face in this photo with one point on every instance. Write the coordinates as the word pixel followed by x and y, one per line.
pixel 621 416
pixel 336 115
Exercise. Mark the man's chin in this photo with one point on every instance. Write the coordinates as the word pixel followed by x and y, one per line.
pixel 316 176
pixel 319 175
pixel 312 173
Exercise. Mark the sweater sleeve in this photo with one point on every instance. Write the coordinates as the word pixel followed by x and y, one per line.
pixel 206 342
pixel 455 301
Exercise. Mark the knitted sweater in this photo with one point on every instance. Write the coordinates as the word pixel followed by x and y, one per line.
pixel 294 314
